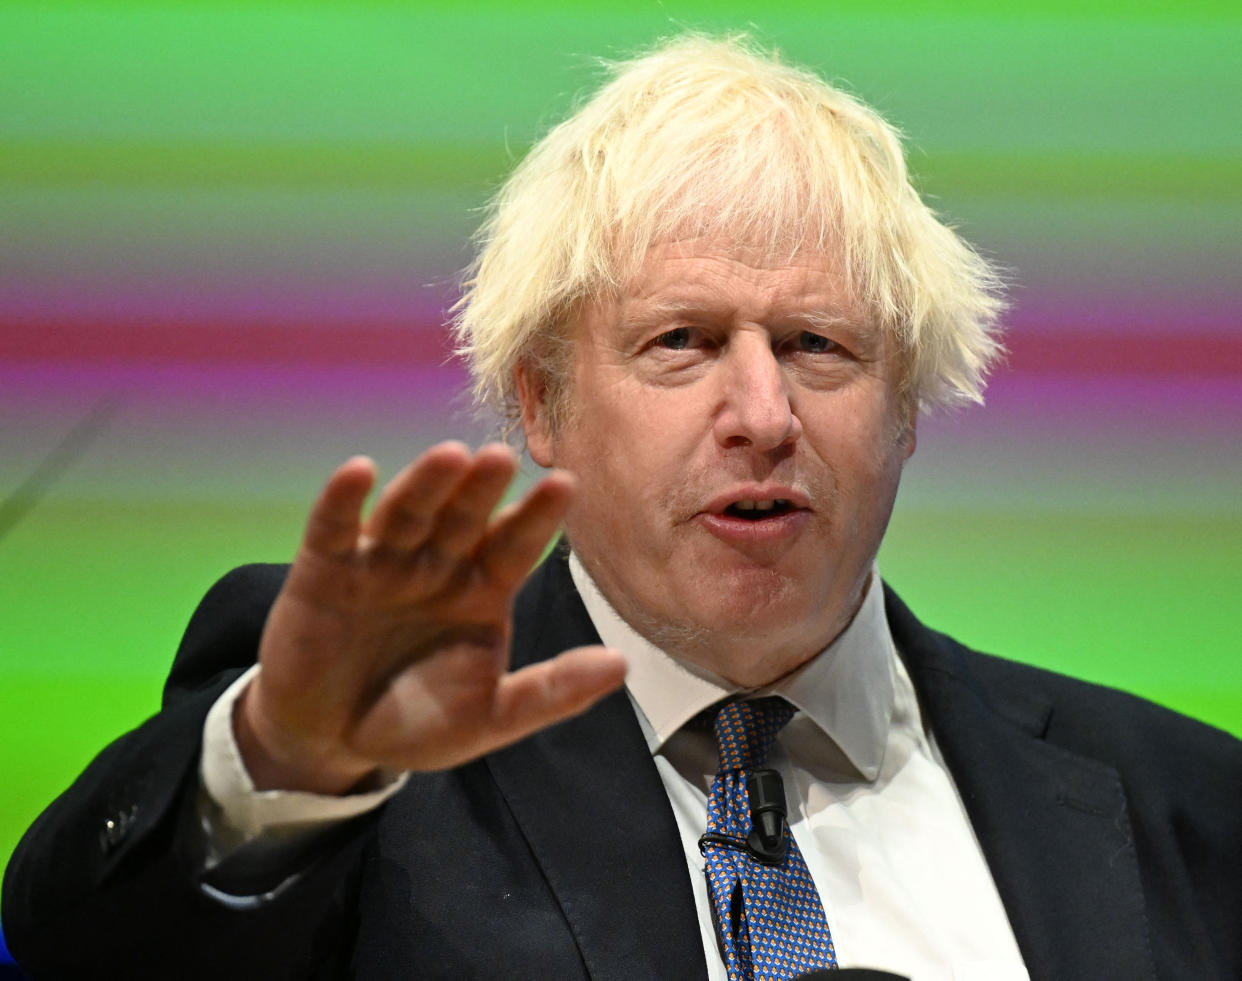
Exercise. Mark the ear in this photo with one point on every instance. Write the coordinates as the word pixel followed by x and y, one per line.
pixel 536 416
pixel 907 434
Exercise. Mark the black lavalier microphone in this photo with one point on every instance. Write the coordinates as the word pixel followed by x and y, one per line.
pixel 768 828
pixel 768 840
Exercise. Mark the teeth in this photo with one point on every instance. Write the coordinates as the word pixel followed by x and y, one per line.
pixel 760 505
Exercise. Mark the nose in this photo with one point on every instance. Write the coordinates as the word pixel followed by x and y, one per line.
pixel 755 402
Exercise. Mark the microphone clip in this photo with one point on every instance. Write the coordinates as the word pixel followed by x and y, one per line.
pixel 768 841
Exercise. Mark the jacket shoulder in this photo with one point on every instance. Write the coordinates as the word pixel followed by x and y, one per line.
pixel 224 630
pixel 1127 731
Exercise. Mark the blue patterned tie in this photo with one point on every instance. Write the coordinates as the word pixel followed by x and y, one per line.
pixel 769 919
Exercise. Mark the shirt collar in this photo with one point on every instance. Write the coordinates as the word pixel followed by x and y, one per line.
pixel 847 689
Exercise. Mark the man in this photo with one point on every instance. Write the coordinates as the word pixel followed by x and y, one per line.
pixel 712 301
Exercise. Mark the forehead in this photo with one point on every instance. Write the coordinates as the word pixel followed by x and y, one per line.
pixel 732 280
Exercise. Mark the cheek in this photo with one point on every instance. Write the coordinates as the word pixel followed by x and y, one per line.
pixel 631 485
pixel 860 443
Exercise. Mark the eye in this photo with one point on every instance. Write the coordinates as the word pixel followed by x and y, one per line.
pixel 812 343
pixel 677 339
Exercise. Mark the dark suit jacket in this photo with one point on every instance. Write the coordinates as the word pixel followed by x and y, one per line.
pixel 1113 829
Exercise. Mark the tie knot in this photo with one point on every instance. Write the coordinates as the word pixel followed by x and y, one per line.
pixel 745 730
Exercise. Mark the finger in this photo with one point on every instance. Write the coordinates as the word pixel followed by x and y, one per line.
pixel 521 532
pixel 414 728
pixel 543 694
pixel 465 516
pixel 335 518
pixel 406 511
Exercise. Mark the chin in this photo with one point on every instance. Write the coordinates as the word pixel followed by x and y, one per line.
pixel 761 594
pixel 767 620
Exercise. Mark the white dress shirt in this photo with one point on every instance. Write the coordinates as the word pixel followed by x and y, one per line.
pixel 872 806
pixel 874 810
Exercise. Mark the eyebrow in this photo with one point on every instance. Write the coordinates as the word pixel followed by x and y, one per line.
pixel 828 321
pixel 650 316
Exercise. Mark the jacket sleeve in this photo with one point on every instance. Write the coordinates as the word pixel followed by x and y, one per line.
pixel 107 882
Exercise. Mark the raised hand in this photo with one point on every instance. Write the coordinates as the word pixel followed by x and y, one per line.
pixel 388 645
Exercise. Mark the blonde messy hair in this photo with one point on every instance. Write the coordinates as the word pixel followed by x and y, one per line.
pixel 710 138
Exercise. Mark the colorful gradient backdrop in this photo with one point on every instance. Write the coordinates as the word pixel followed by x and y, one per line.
pixel 229 233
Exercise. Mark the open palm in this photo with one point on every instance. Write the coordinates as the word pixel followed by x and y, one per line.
pixel 388 645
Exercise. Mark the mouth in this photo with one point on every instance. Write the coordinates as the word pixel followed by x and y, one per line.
pixel 750 517
pixel 758 510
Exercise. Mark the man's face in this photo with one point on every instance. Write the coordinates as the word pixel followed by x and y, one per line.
pixel 737 437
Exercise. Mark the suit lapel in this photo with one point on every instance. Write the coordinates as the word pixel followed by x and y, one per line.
pixel 594 811
pixel 1053 825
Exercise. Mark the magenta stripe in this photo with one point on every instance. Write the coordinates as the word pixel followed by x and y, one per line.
pixel 356 344
pixel 1184 353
